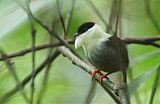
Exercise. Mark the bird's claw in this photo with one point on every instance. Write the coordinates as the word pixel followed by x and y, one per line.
pixel 103 76
pixel 95 72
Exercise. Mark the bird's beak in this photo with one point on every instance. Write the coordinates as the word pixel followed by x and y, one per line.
pixel 77 40
pixel 75 35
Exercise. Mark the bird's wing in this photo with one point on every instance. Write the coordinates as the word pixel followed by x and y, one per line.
pixel 121 50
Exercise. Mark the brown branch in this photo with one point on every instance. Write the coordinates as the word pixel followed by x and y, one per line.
pixel 118 16
pixel 44 83
pixel 145 41
pixel 21 85
pixel 28 50
pixel 151 15
pixel 33 35
pixel 106 84
pixel 11 69
pixel 141 39
pixel 131 78
pixel 61 18
pixel 100 16
pixel 155 86
pixel 70 16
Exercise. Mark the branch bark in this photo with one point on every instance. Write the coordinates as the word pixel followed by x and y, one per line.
pixel 144 40
pixel 106 84
pixel 127 40
pixel 141 39
pixel 21 84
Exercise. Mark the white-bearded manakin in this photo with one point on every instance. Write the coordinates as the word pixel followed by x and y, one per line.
pixel 105 52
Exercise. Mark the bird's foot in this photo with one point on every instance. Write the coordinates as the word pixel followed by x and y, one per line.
pixel 103 76
pixel 95 72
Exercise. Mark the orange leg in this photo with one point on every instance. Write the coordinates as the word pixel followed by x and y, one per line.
pixel 96 71
pixel 103 76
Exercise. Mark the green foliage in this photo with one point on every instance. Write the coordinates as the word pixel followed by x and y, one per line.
pixel 136 83
pixel 67 83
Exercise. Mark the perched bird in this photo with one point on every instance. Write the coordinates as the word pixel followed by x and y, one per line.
pixel 105 52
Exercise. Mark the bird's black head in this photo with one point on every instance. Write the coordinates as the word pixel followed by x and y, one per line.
pixel 84 27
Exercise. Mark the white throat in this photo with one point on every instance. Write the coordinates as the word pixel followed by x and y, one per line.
pixel 91 39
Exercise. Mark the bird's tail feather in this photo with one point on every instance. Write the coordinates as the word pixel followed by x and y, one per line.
pixel 117 78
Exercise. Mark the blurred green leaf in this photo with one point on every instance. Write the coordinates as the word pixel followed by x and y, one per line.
pixel 144 57
pixel 63 87
pixel 136 83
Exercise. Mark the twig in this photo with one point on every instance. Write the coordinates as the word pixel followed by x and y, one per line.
pixel 118 16
pixel 131 40
pixel 75 60
pixel 21 84
pixel 70 15
pixel 45 79
pixel 141 39
pixel 46 73
pixel 155 85
pixel 91 92
pixel 151 16
pixel 145 41
pixel 29 50
pixel 111 16
pixel 112 94
pixel 12 71
pixel 136 95
pixel 33 35
pixel 98 14
pixel 51 32
pixel 61 18
pixel 123 95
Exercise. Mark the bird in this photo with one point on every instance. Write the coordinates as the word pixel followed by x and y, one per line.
pixel 106 52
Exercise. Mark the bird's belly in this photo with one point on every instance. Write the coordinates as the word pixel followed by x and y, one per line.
pixel 104 58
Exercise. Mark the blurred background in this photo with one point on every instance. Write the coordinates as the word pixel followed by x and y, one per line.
pixel 66 83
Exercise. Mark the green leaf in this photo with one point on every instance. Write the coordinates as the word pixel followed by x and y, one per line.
pixel 135 84
pixel 144 57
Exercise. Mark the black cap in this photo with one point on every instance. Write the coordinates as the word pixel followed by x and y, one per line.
pixel 84 27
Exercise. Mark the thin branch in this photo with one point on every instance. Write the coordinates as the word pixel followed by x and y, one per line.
pixel 111 16
pixel 99 14
pixel 75 60
pixel 155 85
pixel 51 32
pixel 91 93
pixel 22 84
pixel 70 15
pixel 141 39
pixel 145 41
pixel 46 73
pixel 123 95
pixel 33 35
pixel 131 78
pixel 45 79
pixel 118 15
pixel 151 16
pixel 12 71
pixel 112 94
pixel 131 40
pixel 29 50
pixel 61 18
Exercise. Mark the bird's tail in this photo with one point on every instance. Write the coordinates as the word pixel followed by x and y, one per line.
pixel 117 78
